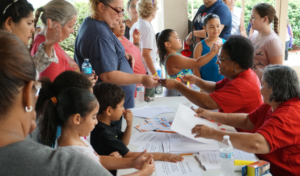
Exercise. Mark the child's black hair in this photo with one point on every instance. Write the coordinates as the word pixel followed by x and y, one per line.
pixel 163 37
pixel 108 95
pixel 209 17
pixel 58 110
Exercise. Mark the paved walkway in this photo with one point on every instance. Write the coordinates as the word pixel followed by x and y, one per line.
pixel 293 60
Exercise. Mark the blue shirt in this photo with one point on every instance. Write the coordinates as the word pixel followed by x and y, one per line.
pixel 210 71
pixel 219 8
pixel 96 42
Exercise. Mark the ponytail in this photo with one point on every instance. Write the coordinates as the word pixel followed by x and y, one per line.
pixel 58 110
pixel 163 37
pixel 49 124
pixel 276 25
pixel 36 19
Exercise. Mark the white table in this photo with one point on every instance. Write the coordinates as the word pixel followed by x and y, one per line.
pixel 172 102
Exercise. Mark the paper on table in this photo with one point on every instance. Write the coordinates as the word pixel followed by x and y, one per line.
pixel 188 167
pixel 150 112
pixel 138 137
pixel 241 155
pixel 151 147
pixel 187 145
pixel 209 160
pixel 185 120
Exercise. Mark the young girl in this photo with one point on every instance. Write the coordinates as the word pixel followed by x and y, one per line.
pixel 267 45
pixel 175 64
pixel 209 71
pixel 75 110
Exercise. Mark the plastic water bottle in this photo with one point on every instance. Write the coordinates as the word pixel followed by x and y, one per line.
pixel 140 91
pixel 227 157
pixel 87 68
pixel 159 88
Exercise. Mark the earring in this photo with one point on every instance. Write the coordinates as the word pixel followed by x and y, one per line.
pixel 10 31
pixel 28 109
pixel 234 70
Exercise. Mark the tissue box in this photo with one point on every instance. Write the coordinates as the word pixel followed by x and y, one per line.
pixel 258 168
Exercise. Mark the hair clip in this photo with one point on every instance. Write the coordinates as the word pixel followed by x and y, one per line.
pixel 8 6
pixel 54 100
pixel 152 2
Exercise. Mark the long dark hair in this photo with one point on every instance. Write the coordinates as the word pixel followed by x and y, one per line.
pixel 63 81
pixel 163 37
pixel 16 69
pixel 59 109
pixel 265 9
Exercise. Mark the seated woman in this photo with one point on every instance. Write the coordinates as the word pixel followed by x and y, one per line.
pixel 275 123
pixel 18 91
pixel 238 92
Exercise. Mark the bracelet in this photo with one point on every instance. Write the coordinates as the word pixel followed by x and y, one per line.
pixel 137 44
pixel 155 74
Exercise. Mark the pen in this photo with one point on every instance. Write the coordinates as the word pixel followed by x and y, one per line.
pixel 186 154
pixel 164 131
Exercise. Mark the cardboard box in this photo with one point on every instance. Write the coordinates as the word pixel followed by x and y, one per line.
pixel 258 168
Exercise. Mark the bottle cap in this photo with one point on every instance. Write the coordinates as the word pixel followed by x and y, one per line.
pixel 86 59
pixel 226 137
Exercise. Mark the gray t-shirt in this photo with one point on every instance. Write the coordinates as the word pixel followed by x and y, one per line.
pixel 30 158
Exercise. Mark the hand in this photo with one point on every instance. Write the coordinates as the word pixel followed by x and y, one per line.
pixel 203 131
pixel 128 116
pixel 115 154
pixel 139 161
pixel 169 83
pixel 53 33
pixel 189 39
pixel 150 81
pixel 148 167
pixel 136 36
pixel 170 157
pixel 216 47
pixel 93 78
pixel 130 59
pixel 191 78
pixel 200 112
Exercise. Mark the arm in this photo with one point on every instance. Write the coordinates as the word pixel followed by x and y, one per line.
pixel 206 86
pixel 276 60
pixel 197 54
pixel 248 142
pixel 157 156
pixel 128 116
pixel 238 120
pixel 148 60
pixel 242 25
pixel 123 79
pixel 112 163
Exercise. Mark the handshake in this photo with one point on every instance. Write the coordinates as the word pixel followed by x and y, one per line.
pixel 173 83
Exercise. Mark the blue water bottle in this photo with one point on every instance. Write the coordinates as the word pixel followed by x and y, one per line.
pixel 87 68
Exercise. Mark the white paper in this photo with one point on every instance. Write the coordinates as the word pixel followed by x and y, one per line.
pixel 209 160
pixel 188 167
pixel 185 121
pixel 138 137
pixel 151 147
pixel 150 112
pixel 241 155
pixel 187 145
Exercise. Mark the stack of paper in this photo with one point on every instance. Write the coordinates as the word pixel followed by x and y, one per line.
pixel 185 121
pixel 150 112
pixel 155 124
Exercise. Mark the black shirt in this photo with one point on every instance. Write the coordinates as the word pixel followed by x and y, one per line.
pixel 106 139
pixel 127 32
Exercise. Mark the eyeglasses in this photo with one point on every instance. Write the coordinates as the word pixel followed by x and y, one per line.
pixel 133 6
pixel 221 59
pixel 121 12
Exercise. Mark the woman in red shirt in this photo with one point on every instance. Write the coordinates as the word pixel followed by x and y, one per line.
pixel 276 123
pixel 238 92
pixel 64 16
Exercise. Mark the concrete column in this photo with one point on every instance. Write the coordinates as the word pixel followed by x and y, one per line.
pixel 282 13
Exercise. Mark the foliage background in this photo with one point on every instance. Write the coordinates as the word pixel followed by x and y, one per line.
pixel 293 14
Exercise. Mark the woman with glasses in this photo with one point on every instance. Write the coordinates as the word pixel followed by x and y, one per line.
pixel 96 41
pixel 18 91
pixel 133 16
pixel 238 92
pixel 147 44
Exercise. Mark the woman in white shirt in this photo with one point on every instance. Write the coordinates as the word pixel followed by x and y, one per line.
pixel 147 12
pixel 238 25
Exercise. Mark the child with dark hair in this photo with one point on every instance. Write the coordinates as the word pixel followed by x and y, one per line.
pixel 105 138
pixel 175 64
pixel 75 110
pixel 212 27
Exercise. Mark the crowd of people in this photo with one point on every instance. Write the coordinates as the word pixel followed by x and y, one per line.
pixel 49 107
